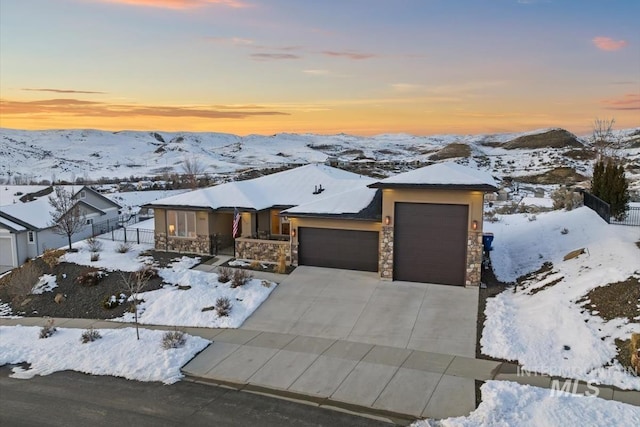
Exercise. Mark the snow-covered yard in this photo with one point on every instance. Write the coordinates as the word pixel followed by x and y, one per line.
pixel 505 403
pixel 117 353
pixel 181 301
pixel 542 323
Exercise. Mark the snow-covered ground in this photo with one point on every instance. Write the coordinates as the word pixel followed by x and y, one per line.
pixel 117 353
pixel 507 404
pixel 545 328
pixel 187 292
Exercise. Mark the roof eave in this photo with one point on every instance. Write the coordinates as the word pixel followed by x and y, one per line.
pixel 488 188
pixel 349 216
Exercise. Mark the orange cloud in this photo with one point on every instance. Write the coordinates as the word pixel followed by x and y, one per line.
pixel 629 101
pixel 80 108
pixel 609 44
pixel 180 4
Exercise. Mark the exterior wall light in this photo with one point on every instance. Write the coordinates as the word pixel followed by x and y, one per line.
pixel 293 232
pixel 387 220
pixel 474 225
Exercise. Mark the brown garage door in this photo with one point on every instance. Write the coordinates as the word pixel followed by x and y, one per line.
pixel 348 249
pixel 430 243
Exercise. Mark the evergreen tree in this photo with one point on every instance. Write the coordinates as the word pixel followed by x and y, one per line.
pixel 610 185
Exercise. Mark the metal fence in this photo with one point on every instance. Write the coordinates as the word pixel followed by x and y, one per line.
pixel 131 235
pixel 602 208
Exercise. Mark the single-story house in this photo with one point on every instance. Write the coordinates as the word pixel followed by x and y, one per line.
pixel 26 229
pixel 421 226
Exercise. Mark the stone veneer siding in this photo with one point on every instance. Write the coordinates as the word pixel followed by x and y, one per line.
pixel 199 245
pixel 294 254
pixel 474 258
pixel 262 250
pixel 385 265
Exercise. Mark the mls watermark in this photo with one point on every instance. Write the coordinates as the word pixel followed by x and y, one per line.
pixel 567 385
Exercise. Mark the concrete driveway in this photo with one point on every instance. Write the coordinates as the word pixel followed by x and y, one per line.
pixel 358 306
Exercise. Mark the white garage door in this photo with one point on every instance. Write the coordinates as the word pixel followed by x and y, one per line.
pixel 6 253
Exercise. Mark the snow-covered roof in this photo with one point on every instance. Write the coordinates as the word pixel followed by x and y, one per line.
pixel 348 202
pixel 448 174
pixel 289 188
pixel 11 225
pixel 36 213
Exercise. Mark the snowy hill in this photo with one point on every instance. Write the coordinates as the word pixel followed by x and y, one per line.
pixel 92 154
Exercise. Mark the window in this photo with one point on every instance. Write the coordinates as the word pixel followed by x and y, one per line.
pixel 89 221
pixel 31 237
pixel 181 223
pixel 83 194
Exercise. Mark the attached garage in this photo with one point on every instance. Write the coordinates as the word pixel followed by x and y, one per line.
pixel 333 248
pixel 6 252
pixel 430 243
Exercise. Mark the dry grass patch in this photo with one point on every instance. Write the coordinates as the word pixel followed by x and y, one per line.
pixel 562 175
pixel 555 138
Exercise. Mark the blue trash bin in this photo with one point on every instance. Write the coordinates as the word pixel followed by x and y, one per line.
pixel 487 240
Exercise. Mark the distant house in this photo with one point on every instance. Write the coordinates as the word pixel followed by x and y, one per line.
pixel 420 226
pixel 26 229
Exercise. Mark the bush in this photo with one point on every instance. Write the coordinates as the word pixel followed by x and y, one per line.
pixel 48 330
pixel 51 257
pixel 224 274
pixel 564 198
pixel 255 265
pixel 240 277
pixel 173 339
pixel 111 301
pixel 95 256
pixel 147 272
pixel 90 335
pixel 634 347
pixel 281 266
pixel 223 306
pixel 94 244
pixel 90 277
pixel 123 248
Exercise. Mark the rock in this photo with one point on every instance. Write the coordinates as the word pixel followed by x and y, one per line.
pixel 573 254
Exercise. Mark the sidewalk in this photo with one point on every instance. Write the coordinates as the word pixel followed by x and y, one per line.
pixel 391 383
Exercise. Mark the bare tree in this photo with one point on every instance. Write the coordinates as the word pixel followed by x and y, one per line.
pixel 604 140
pixel 66 217
pixel 192 167
pixel 134 283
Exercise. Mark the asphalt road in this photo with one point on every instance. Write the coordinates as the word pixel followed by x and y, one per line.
pixel 72 399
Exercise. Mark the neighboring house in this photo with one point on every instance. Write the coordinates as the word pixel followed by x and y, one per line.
pixel 26 229
pixel 422 226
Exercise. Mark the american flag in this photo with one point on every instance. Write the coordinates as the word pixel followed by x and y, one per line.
pixel 236 222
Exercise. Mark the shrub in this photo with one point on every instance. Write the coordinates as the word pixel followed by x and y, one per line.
pixel 21 281
pixel 51 257
pixel 173 339
pixel 90 277
pixel 634 347
pixel 95 256
pixel 111 301
pixel 240 278
pixel 123 248
pixel 223 306
pixel 255 265
pixel 48 330
pixel 147 272
pixel 94 244
pixel 224 274
pixel 281 266
pixel 564 198
pixel 90 335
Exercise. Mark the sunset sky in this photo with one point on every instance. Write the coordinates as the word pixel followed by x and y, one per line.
pixel 323 66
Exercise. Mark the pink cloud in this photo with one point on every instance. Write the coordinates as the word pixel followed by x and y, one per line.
pixel 180 4
pixel 607 43
pixel 629 101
